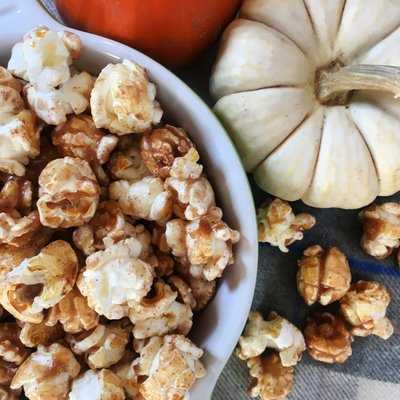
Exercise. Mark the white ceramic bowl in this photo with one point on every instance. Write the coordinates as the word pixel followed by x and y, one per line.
pixel 218 327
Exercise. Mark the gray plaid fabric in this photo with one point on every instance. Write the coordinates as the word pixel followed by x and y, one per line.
pixel 373 371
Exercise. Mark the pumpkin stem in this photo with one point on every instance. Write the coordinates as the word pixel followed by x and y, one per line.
pixel 334 86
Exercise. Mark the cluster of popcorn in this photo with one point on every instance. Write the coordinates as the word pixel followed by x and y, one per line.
pixel 110 237
pixel 273 347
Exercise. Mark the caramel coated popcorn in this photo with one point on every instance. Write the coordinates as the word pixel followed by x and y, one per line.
pixel 364 308
pixel 161 147
pixel 19 128
pixel 276 333
pixel 160 314
pixel 115 277
pixel 323 276
pixel 206 243
pixel 328 339
pixel 40 282
pixel 127 164
pixel 271 380
pixel 279 226
pixel 146 199
pixel 69 193
pixel 73 313
pixel 54 105
pixel 16 194
pixel 125 370
pixel 174 369
pixel 17 230
pixel 123 99
pixel 12 350
pixel 192 190
pixel 97 385
pixel 103 346
pixel 108 226
pixel 79 137
pixel 33 335
pixel 47 373
pixel 381 229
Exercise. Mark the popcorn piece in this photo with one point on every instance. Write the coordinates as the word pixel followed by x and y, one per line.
pixel 123 99
pixel 278 226
pixel 209 243
pixel 73 313
pixel 12 350
pixel 175 237
pixel 203 291
pixel 44 57
pixel 161 147
pixel 177 319
pixel 115 277
pixel 47 373
pixel 148 350
pixel 328 339
pixel 102 347
pixel 16 194
pixel 193 191
pixel 381 229
pixel 323 275
pixel 8 80
pixel 69 193
pixel 160 314
pixel 79 137
pixel 19 132
pixel 184 291
pixel 33 335
pixel 11 102
pixel 272 381
pixel 206 242
pixel 53 105
pixel 174 370
pixel 276 333
pixel 364 308
pixel 16 230
pixel 40 282
pixel 107 227
pixel 156 305
pixel 129 379
pixel 127 163
pixel 19 142
pixel 97 385
pixel 145 199
pixel 11 257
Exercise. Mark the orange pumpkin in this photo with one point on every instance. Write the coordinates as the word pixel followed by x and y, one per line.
pixel 171 31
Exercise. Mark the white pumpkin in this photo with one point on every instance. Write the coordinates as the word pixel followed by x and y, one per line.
pixel 301 88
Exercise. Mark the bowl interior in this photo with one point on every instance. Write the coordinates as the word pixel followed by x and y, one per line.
pixel 218 327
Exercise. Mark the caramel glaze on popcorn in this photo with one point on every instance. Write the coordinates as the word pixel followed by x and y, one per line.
pixel 271 380
pixel 328 339
pixel 110 235
pixel 323 276
pixel 161 147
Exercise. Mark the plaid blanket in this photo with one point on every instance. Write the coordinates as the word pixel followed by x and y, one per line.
pixel 373 371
